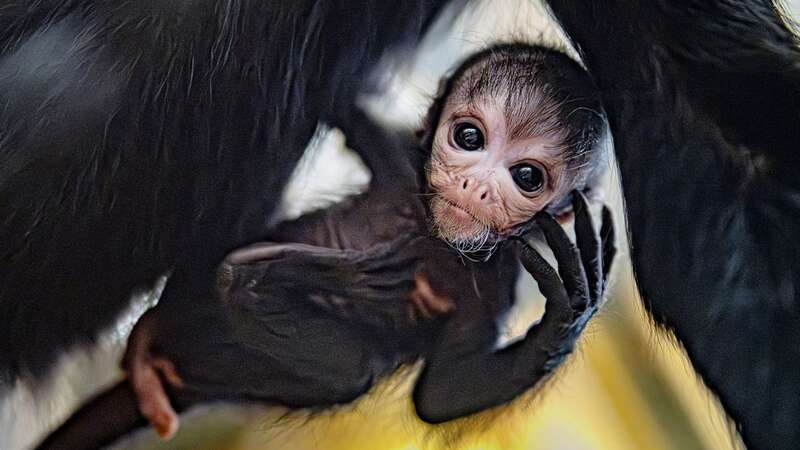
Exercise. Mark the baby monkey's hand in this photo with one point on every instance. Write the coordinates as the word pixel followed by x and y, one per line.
pixel 575 291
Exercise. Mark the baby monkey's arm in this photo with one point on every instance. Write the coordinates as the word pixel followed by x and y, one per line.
pixel 462 378
pixel 391 155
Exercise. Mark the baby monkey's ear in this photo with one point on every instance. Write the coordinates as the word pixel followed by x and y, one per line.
pixel 562 210
pixel 564 216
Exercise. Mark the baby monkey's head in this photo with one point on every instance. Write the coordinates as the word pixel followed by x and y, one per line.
pixel 514 130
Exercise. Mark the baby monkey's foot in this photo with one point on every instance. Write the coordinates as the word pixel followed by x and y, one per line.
pixel 147 373
pixel 426 302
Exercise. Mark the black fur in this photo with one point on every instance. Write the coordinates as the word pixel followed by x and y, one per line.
pixel 141 136
pixel 318 311
pixel 703 99
pixel 155 130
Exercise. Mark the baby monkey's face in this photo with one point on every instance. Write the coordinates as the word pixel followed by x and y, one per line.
pixel 489 174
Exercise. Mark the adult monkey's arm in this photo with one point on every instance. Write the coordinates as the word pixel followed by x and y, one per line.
pixel 149 136
pixel 703 100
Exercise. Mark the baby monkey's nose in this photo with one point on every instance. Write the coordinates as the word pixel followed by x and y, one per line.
pixel 475 191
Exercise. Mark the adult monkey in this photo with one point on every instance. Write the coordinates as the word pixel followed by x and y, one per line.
pixel 703 98
pixel 141 136
pixel 74 244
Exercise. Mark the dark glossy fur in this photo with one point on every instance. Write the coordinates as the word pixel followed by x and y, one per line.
pixel 319 311
pixel 144 136
pixel 703 98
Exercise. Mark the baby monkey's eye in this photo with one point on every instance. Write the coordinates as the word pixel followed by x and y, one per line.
pixel 468 137
pixel 528 177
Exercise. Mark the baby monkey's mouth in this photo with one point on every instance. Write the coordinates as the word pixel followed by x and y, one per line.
pixel 462 229
pixel 461 209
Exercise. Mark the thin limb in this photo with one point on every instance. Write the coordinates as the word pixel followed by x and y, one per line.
pixel 461 379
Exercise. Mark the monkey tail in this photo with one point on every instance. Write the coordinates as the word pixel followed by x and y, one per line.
pixel 99 422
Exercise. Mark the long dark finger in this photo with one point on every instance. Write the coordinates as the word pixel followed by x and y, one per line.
pixel 608 238
pixel 588 245
pixel 546 344
pixel 550 284
pixel 567 255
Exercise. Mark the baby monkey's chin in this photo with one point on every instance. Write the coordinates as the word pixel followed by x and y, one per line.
pixel 458 227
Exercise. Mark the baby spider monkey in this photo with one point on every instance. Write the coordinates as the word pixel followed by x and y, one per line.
pixel 420 266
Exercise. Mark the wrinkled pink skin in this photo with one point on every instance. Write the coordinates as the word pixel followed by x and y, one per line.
pixel 474 190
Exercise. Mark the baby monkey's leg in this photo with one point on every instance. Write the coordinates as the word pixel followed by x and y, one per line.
pixel 376 287
pixel 381 286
